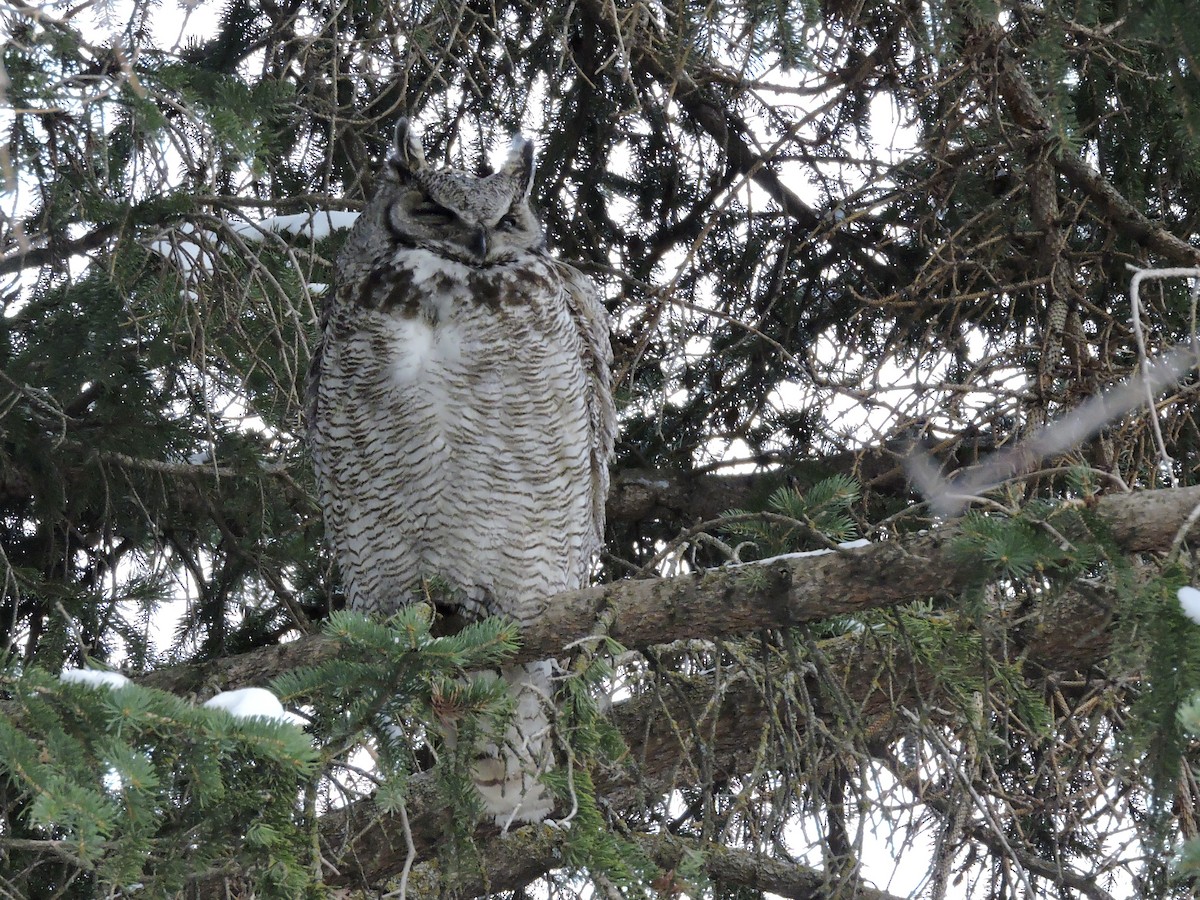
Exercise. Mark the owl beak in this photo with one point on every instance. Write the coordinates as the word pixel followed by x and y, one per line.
pixel 479 243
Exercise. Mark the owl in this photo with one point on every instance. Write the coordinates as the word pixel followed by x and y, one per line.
pixel 461 421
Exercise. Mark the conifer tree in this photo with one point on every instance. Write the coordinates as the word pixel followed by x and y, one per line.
pixel 856 254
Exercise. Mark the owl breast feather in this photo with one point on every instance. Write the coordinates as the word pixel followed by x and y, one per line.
pixel 441 306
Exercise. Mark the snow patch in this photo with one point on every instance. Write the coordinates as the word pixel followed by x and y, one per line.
pixel 1189 601
pixel 189 255
pixel 254 703
pixel 844 545
pixel 96 678
pixel 314 226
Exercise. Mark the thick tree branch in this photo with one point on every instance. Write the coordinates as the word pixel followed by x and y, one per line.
pixel 21 258
pixel 513 858
pixel 876 678
pixel 721 602
pixel 684 498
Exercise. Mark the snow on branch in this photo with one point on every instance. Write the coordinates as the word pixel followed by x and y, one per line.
pixel 254 703
pixel 240 703
pixel 96 678
pixel 190 248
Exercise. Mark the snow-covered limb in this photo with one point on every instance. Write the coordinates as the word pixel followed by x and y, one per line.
pixel 734 600
pixel 315 225
pixel 804 554
pixel 190 254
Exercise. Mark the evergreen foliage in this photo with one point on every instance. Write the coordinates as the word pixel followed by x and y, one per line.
pixel 830 234
pixel 821 513
pixel 134 787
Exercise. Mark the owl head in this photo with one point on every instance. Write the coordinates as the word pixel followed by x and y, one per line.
pixel 479 221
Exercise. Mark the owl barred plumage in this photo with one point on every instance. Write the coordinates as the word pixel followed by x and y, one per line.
pixel 461 419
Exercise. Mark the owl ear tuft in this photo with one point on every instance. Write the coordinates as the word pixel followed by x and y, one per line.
pixel 406 155
pixel 519 164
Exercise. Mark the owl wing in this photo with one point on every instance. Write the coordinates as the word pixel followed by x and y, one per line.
pixel 336 320
pixel 591 321
pixel 345 312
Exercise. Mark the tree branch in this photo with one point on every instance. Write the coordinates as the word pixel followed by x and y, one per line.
pixel 59 252
pixel 715 603
pixel 684 498
pixel 515 859
pixel 1029 112
pixel 756 871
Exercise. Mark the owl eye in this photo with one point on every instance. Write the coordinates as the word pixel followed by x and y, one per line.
pixel 508 223
pixel 431 210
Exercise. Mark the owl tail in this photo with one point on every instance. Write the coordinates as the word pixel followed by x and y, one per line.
pixel 506 775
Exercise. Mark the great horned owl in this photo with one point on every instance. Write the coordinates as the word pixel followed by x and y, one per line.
pixel 461 419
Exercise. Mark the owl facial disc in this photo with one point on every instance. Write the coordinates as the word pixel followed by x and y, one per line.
pixel 477 220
